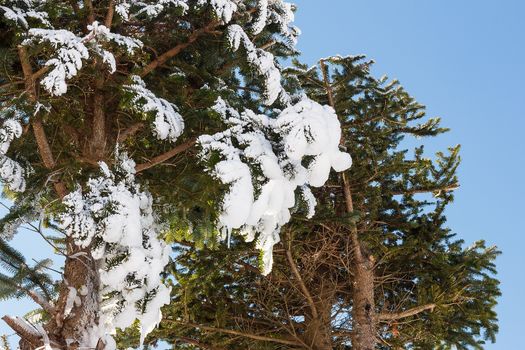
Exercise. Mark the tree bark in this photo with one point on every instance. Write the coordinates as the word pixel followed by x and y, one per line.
pixel 363 302
pixel 80 273
pixel 77 306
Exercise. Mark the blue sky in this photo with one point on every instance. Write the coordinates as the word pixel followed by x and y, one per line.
pixel 465 60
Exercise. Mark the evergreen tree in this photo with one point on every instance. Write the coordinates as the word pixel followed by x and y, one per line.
pixel 375 268
pixel 123 122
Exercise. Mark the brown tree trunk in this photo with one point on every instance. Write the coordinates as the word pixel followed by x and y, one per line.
pixel 76 310
pixel 363 303
pixel 364 323
pixel 364 316
pixel 70 327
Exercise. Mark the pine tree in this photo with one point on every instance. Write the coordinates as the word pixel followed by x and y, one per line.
pixel 124 122
pixel 375 268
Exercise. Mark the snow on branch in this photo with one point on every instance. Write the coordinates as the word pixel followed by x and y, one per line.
pixel 11 172
pixel 71 49
pixel 266 170
pixel 224 9
pixel 279 13
pixel 133 8
pixel 261 60
pixel 19 12
pixel 115 217
pixel 168 122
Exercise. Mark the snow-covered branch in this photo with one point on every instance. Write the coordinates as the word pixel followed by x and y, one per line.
pixel 269 161
pixel 168 123
pixel 115 218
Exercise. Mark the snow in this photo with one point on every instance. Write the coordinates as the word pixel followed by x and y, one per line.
pixel 281 13
pixel 70 301
pixel 261 18
pixel 118 214
pixel 151 9
pixel 69 54
pixel 11 172
pixel 313 130
pixel 262 61
pixel 309 199
pixel 269 161
pixel 70 50
pixel 20 12
pixel 224 9
pixel 101 32
pixel 168 122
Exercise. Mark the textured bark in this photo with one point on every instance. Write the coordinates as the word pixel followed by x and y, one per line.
pixel 364 322
pixel 80 273
pixel 67 329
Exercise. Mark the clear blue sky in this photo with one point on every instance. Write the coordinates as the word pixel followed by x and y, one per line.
pixel 465 60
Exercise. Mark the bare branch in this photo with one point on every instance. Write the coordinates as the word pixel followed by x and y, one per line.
pixel 165 156
pixel 39 299
pixel 177 49
pixel 448 188
pixel 129 132
pixel 238 333
pixel 404 314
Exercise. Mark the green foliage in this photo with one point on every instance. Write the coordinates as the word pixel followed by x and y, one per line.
pixel 21 277
pixel 399 198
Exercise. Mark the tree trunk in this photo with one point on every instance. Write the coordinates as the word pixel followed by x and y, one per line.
pixel 81 280
pixel 76 312
pixel 363 309
pixel 364 323
pixel 364 317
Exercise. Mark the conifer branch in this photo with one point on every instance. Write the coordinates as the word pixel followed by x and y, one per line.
pixel 327 85
pixel 404 314
pixel 238 333
pixel 38 128
pixel 197 343
pixel 165 156
pixel 177 49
